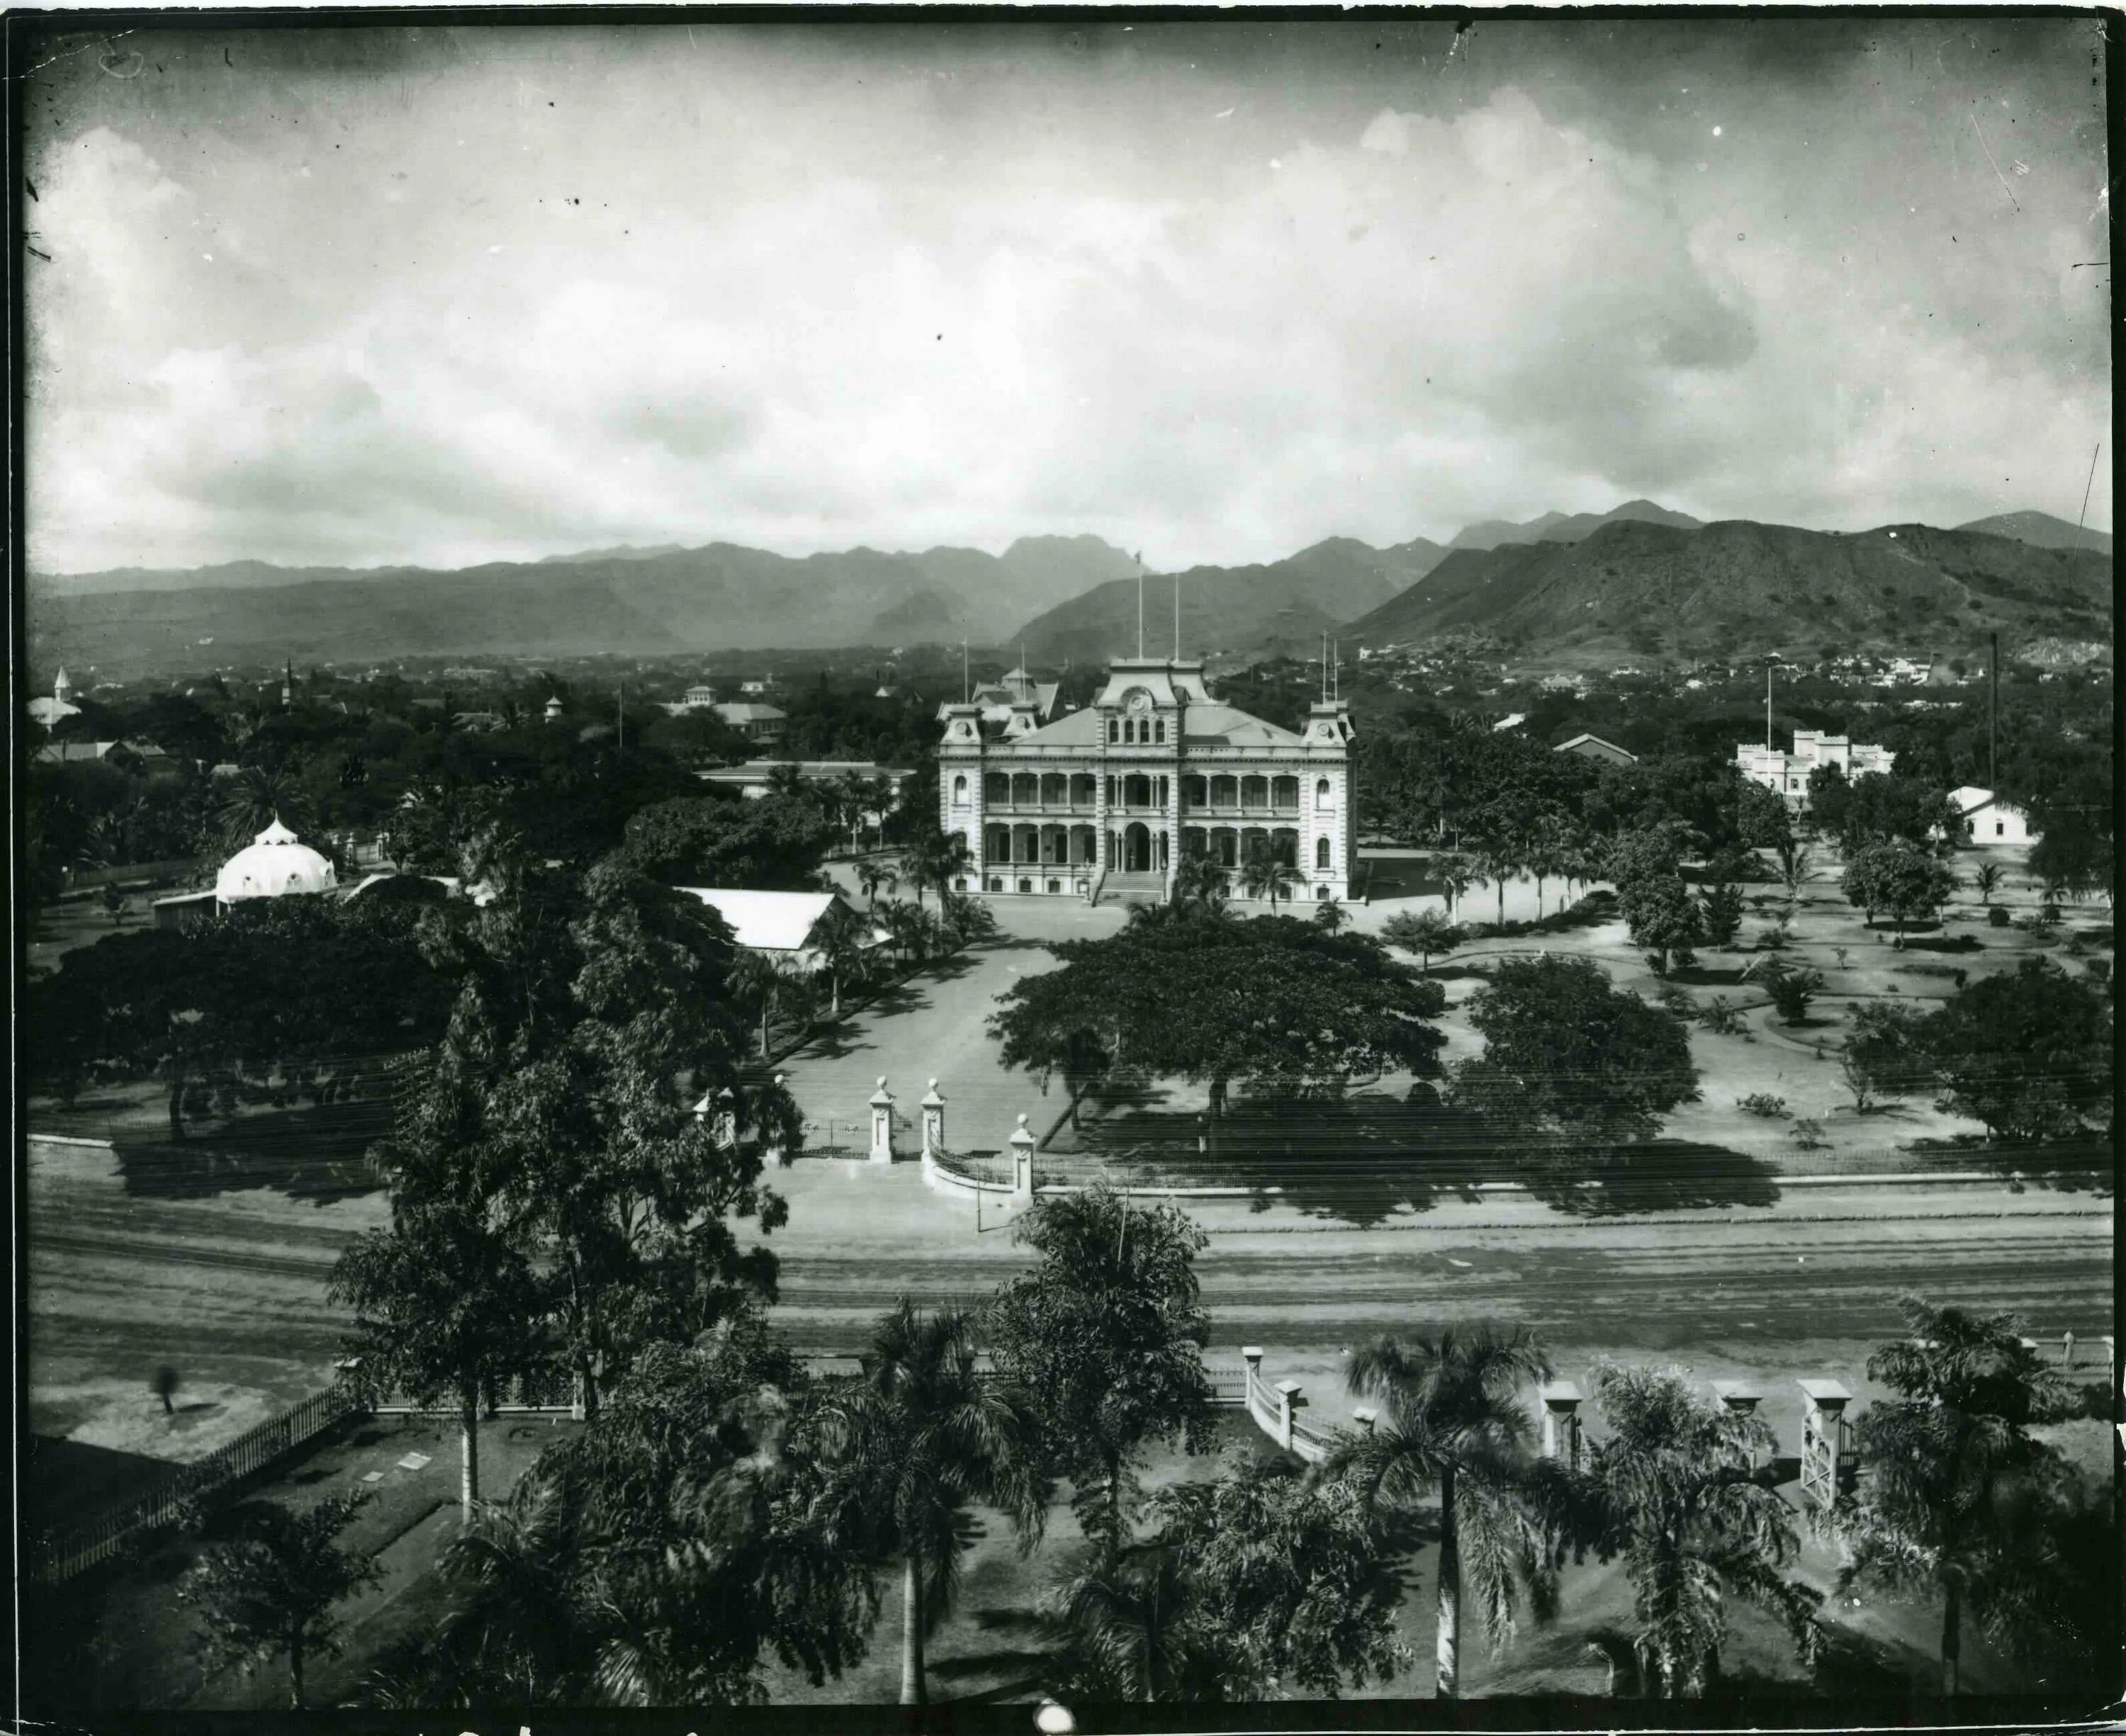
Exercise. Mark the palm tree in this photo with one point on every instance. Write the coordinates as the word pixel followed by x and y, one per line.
pixel 1265 875
pixel 1456 1424
pixel 1331 916
pixel 766 983
pixel 1133 1623
pixel 1796 869
pixel 1672 1490
pixel 934 861
pixel 841 937
pixel 872 875
pixel 258 796
pixel 1497 863
pixel 1199 881
pixel 920 1438
pixel 1455 874
pixel 1953 1482
pixel 787 778
pixel 1986 880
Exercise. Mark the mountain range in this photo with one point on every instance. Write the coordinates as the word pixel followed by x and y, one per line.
pixel 1637 579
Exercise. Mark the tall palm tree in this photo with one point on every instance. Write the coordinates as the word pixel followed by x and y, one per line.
pixel 1953 1485
pixel 841 936
pixel 787 778
pixel 1199 882
pixel 1455 1423
pixel 766 984
pixel 872 875
pixel 1672 1490
pixel 1498 863
pixel 1264 875
pixel 256 797
pixel 919 1439
pixel 1455 873
pixel 1135 1623
pixel 932 862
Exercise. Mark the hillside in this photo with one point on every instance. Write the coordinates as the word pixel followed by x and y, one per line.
pixel 717 597
pixel 1736 586
pixel 2041 530
pixel 1493 533
pixel 1282 604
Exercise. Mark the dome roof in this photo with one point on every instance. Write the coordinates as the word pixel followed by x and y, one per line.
pixel 272 865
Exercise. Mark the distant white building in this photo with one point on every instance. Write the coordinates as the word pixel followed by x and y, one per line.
pixel 755 722
pixel 1788 773
pixel 1988 820
pixel 1511 720
pixel 49 711
pixel 1017 688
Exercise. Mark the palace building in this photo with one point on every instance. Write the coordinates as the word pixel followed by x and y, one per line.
pixel 1155 770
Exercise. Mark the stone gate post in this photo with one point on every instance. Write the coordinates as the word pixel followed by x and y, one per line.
pixel 882 1124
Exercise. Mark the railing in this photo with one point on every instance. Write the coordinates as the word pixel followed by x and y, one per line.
pixel 65 1553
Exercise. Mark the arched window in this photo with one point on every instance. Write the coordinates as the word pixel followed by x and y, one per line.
pixel 1159 730
pixel 1321 797
pixel 1321 855
pixel 1025 789
pixel 1195 792
pixel 1284 792
pixel 1114 731
pixel 1254 792
pixel 996 788
pixel 959 792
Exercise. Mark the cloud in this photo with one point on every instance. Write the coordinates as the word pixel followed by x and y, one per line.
pixel 930 320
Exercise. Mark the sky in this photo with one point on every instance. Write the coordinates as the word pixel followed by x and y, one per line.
pixel 1212 290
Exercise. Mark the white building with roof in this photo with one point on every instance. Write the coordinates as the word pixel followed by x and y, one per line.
pixel 49 711
pixel 997 698
pixel 756 722
pixel 784 925
pixel 1154 771
pixel 1788 773
pixel 276 863
pixel 1989 822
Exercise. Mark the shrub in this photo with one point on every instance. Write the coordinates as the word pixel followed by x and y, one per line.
pixel 1678 1000
pixel 1762 1104
pixel 1808 1134
pixel 1792 991
pixel 1997 917
pixel 1720 1017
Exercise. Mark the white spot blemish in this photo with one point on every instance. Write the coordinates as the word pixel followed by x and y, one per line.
pixel 1715 132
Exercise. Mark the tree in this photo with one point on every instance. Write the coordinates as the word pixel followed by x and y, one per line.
pixel 1720 912
pixel 1986 880
pixel 1454 872
pixel 657 1556
pixel 445 1301
pixel 1570 1058
pixel 1199 880
pixel 1249 1582
pixel 1265 875
pixel 1881 806
pixel 1423 932
pixel 844 940
pixel 932 860
pixel 1658 909
pixel 257 798
pixel 1455 1424
pixel 1103 1337
pixel 1273 1001
pixel 774 844
pixel 1885 1056
pixel 1672 1491
pixel 921 1436
pixel 269 1591
pixel 1952 1478
pixel 1797 868
pixel 1498 862
pixel 2029 1054
pixel 1792 990
pixel 1907 881
pixel 870 875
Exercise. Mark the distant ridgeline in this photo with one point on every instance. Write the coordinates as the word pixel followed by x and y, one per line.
pixel 1641 578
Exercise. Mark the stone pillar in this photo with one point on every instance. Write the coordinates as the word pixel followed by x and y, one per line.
pixel 1021 1163
pixel 2066 1350
pixel 1288 1400
pixel 1822 1439
pixel 1251 1355
pixel 1561 1420
pixel 882 1124
pixel 1741 1400
pixel 933 1123
pixel 1365 1415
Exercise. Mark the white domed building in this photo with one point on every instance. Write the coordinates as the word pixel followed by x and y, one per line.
pixel 276 863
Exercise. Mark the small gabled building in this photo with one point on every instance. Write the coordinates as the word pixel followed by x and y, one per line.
pixel 1592 747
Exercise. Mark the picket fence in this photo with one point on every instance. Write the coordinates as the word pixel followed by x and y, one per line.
pixel 61 1555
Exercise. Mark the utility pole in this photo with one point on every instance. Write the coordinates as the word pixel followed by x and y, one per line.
pixel 619 720
pixel 1139 608
pixel 1177 617
pixel 1767 708
pixel 966 689
pixel 1993 721
pixel 2087 486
